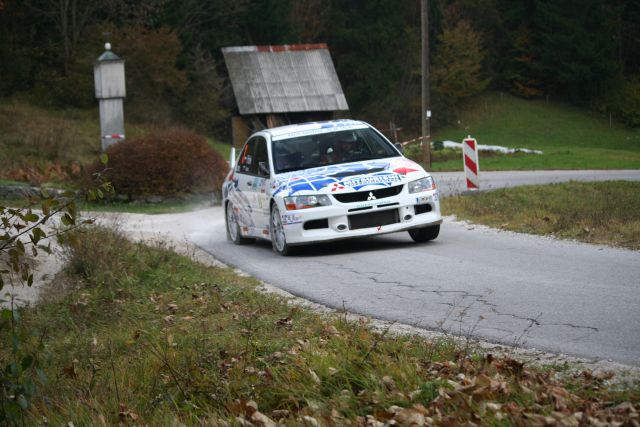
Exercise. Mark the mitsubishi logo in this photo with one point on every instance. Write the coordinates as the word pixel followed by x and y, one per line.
pixel 371 196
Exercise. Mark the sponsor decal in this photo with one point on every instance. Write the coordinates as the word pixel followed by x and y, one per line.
pixel 404 170
pixel 318 178
pixel 385 179
pixel 423 199
pixel 326 128
pixel 336 186
pixel 290 219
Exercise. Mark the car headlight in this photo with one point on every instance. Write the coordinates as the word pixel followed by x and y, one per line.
pixel 423 184
pixel 306 202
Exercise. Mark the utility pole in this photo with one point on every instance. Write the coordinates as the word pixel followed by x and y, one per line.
pixel 426 108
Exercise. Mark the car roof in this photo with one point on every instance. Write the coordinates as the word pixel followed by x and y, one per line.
pixel 313 128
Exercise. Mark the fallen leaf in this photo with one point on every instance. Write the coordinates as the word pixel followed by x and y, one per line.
pixel 262 420
pixel 331 330
pixel 310 421
pixel 286 321
pixel 279 414
pixel 410 417
pixel 389 383
pixel 315 376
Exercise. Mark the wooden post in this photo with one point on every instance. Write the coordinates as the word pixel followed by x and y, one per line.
pixel 426 111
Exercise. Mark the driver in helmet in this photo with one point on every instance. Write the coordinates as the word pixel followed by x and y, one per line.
pixel 343 149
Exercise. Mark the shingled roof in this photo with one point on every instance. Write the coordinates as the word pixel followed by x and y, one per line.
pixel 284 79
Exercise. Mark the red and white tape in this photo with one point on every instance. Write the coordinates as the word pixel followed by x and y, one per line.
pixel 114 136
pixel 471 165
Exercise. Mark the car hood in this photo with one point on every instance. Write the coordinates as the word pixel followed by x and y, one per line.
pixel 348 177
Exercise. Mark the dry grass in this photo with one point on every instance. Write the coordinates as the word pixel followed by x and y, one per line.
pixel 145 337
pixel 40 145
pixel 593 212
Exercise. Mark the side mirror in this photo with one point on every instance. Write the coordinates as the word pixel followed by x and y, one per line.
pixel 232 159
pixel 400 147
pixel 264 169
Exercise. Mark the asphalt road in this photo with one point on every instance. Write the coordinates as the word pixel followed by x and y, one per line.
pixel 536 292
pixel 454 182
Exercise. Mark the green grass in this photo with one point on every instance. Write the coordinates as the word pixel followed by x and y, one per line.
pixel 10 183
pixel 166 207
pixel 571 138
pixel 140 335
pixel 34 134
pixel 148 208
pixel 597 212
pixel 222 148
pixel 41 144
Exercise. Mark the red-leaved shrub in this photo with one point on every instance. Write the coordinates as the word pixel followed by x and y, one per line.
pixel 165 162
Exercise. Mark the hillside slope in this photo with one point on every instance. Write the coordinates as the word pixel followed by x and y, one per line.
pixel 571 138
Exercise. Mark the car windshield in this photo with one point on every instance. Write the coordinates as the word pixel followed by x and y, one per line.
pixel 326 149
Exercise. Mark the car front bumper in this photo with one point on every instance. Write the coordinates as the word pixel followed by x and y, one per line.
pixel 348 220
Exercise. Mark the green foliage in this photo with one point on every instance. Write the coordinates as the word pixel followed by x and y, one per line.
pixel 623 101
pixel 154 81
pixel 25 232
pixel 457 68
pixel 201 107
pixel 575 47
pixel 21 372
pixel 521 75
pixel 165 162
pixel 569 50
pixel 368 46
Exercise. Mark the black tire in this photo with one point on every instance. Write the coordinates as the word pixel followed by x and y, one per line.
pixel 278 238
pixel 232 226
pixel 421 235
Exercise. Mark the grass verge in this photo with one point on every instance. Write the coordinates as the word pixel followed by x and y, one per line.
pixel 140 335
pixel 165 207
pixel 571 138
pixel 593 212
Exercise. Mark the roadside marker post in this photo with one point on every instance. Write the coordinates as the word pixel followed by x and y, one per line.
pixel 471 164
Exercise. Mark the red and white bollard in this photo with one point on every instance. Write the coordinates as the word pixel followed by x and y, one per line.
pixel 470 160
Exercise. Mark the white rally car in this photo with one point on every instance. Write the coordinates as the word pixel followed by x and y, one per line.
pixel 325 181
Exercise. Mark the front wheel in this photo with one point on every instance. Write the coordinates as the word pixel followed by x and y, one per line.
pixel 233 228
pixel 278 237
pixel 420 235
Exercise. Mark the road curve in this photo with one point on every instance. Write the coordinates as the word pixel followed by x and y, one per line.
pixel 454 182
pixel 537 292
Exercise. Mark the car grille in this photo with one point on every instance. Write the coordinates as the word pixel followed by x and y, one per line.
pixel 363 196
pixel 373 219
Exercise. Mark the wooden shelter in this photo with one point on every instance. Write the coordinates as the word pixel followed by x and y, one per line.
pixel 278 85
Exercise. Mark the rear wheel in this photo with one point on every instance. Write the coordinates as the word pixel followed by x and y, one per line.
pixel 233 228
pixel 278 237
pixel 420 235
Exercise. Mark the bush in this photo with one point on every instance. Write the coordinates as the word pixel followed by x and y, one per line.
pixel 626 104
pixel 165 162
